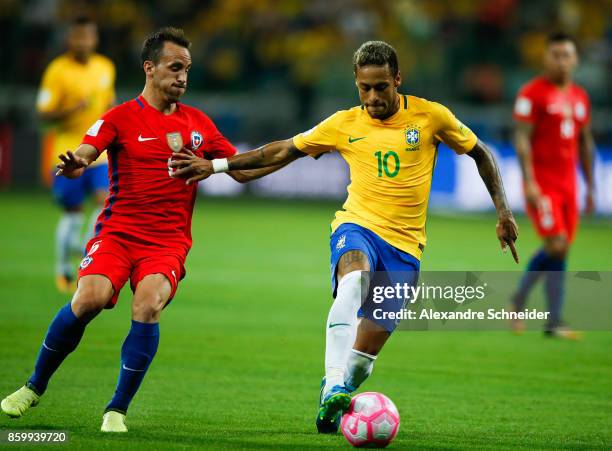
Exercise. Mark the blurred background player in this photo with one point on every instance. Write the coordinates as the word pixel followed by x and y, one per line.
pixel 76 89
pixel 553 134
pixel 381 227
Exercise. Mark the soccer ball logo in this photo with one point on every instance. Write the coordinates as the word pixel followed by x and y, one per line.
pixel 371 421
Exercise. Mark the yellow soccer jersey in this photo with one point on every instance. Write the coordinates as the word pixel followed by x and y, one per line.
pixel 391 163
pixel 65 84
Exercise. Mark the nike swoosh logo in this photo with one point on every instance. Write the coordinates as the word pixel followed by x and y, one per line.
pixel 352 140
pixel 338 324
pixel 130 369
pixel 141 139
pixel 50 349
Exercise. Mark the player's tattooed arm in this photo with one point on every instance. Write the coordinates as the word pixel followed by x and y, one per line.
pixel 263 161
pixel 247 175
pixel 587 149
pixel 522 144
pixel 72 164
pixel 272 154
pixel 506 229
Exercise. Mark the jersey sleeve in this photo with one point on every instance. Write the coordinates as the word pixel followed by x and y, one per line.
pixel 321 138
pixel 103 132
pixel 451 131
pixel 215 144
pixel 50 90
pixel 526 105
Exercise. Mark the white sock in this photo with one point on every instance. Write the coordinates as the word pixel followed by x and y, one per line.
pixel 68 228
pixel 358 368
pixel 76 245
pixel 341 329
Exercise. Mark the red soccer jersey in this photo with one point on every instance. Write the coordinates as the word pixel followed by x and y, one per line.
pixel 144 203
pixel 557 115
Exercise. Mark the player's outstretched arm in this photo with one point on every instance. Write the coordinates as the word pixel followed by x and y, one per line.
pixel 522 144
pixel 587 149
pixel 247 175
pixel 73 164
pixel 507 230
pixel 272 157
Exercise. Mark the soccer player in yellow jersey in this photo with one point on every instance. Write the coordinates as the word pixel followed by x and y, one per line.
pixel 76 89
pixel 390 144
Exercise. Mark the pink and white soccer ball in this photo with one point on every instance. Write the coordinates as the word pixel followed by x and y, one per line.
pixel 372 421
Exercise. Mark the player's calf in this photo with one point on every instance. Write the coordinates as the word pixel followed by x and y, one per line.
pixel 358 368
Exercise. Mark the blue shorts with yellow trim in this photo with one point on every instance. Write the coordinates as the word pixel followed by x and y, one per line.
pixel 389 266
pixel 70 193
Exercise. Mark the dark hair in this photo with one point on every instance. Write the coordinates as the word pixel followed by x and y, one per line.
pixel 154 43
pixel 560 36
pixel 82 20
pixel 376 53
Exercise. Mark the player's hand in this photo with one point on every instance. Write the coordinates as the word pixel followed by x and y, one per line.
pixel 507 233
pixel 187 165
pixel 589 205
pixel 533 195
pixel 71 165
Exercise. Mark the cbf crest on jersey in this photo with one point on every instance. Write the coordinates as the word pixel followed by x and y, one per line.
pixel 413 138
pixel 196 140
pixel 175 141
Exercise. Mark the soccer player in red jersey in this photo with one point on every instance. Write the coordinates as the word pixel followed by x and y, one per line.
pixel 143 233
pixel 553 133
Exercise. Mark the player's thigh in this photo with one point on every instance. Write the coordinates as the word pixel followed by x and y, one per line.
pixel 354 260
pixel 548 219
pixel 154 281
pixel 371 337
pixel 68 193
pixel 93 293
pixel 152 293
pixel 351 250
pixel 108 258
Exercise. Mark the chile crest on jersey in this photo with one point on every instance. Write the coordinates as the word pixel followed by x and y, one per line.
pixel 196 139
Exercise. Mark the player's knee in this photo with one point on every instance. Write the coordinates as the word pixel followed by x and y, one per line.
pixel 89 300
pixel 147 307
pixel 557 248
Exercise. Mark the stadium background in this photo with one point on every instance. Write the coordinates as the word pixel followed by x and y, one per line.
pixel 248 324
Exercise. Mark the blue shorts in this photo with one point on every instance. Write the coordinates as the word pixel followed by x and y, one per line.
pixel 388 266
pixel 70 193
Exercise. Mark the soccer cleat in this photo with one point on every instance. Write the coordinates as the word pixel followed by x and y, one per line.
pixel 563 333
pixel 113 421
pixel 15 405
pixel 331 407
pixel 65 283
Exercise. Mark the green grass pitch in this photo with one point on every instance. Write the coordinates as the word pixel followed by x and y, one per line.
pixel 241 350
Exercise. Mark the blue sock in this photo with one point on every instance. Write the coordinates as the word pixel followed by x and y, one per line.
pixel 64 334
pixel 137 352
pixel 538 263
pixel 555 291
